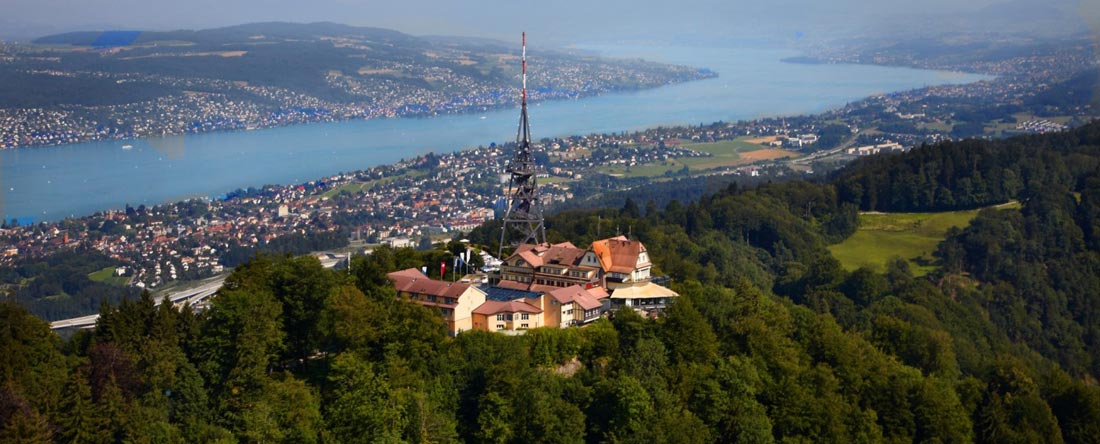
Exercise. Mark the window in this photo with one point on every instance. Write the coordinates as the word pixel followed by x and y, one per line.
pixel 431 298
pixel 522 325
pixel 500 317
pixel 500 326
pixel 523 316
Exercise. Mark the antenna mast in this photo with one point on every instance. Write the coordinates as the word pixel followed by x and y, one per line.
pixel 523 221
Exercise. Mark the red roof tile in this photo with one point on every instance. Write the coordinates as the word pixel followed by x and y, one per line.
pixel 619 254
pixel 413 281
pixel 576 294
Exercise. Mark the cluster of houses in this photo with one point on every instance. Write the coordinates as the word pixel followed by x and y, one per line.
pixel 793 141
pixel 543 285
pixel 875 149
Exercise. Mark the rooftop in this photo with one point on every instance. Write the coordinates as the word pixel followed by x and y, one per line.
pixel 619 254
pixel 413 281
pixel 576 294
pixel 497 307
pixel 647 290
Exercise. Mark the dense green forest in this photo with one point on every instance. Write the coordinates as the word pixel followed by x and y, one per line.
pixel 770 341
pixel 60 286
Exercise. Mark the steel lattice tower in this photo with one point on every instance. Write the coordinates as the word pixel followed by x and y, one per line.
pixel 523 221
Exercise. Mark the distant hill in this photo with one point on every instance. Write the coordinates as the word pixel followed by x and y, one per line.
pixel 243 33
pixel 271 74
pixel 1027 19
pixel 329 61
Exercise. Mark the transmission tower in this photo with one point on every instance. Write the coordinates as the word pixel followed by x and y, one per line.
pixel 523 221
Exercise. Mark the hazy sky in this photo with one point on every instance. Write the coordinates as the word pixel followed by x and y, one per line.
pixel 562 21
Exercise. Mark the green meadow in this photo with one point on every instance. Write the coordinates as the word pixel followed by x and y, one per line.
pixel 910 236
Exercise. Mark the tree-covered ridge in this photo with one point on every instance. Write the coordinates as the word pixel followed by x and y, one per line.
pixel 971 173
pixel 770 341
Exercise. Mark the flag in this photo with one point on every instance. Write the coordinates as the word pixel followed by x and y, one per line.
pixel 442 268
pixel 457 258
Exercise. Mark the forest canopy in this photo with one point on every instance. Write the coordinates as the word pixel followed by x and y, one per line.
pixel 770 341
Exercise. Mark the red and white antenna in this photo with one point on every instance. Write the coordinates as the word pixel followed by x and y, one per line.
pixel 524 68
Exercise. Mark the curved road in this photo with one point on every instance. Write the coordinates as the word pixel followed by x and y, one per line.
pixel 189 296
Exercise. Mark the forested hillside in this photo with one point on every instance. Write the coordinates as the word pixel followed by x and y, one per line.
pixel 971 173
pixel 770 341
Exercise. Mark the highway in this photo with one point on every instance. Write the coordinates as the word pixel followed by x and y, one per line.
pixel 826 153
pixel 193 296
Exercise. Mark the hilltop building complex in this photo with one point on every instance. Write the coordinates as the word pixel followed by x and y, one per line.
pixel 539 284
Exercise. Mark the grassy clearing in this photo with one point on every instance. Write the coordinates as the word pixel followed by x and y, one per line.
pixel 107 276
pixel 555 179
pixel 727 153
pixel 646 170
pixel 724 153
pixel 355 187
pixel 911 236
pixel 740 144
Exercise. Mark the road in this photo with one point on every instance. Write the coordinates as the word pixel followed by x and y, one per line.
pixel 192 296
pixel 826 153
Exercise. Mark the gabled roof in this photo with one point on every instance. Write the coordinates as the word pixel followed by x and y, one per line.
pixel 497 307
pixel 408 272
pixel 619 254
pixel 598 292
pixel 531 258
pixel 539 288
pixel 576 294
pixel 564 253
pixel 587 302
pixel 413 281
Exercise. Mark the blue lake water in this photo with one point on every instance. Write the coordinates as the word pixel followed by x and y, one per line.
pixel 51 183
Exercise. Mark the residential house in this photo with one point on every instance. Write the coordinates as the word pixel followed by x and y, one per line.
pixel 456 301
pixel 552 266
pixel 507 316
pixel 623 262
pixel 626 268
pixel 575 305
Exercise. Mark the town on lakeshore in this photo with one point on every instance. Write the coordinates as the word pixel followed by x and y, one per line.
pixel 376 74
pixel 433 197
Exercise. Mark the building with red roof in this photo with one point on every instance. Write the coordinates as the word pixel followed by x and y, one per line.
pixel 576 305
pixel 550 266
pixel 455 301
pixel 507 316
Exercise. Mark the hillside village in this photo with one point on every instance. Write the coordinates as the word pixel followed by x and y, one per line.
pixel 544 285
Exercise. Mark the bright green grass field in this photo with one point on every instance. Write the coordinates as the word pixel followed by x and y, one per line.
pixel 911 236
pixel 107 276
pixel 646 170
pixel 355 187
pixel 725 153
pixel 724 147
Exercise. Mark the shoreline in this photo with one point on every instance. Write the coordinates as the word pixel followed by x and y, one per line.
pixel 312 174
pixel 483 109
pixel 709 74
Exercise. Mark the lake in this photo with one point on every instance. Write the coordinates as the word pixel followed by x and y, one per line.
pixel 50 183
